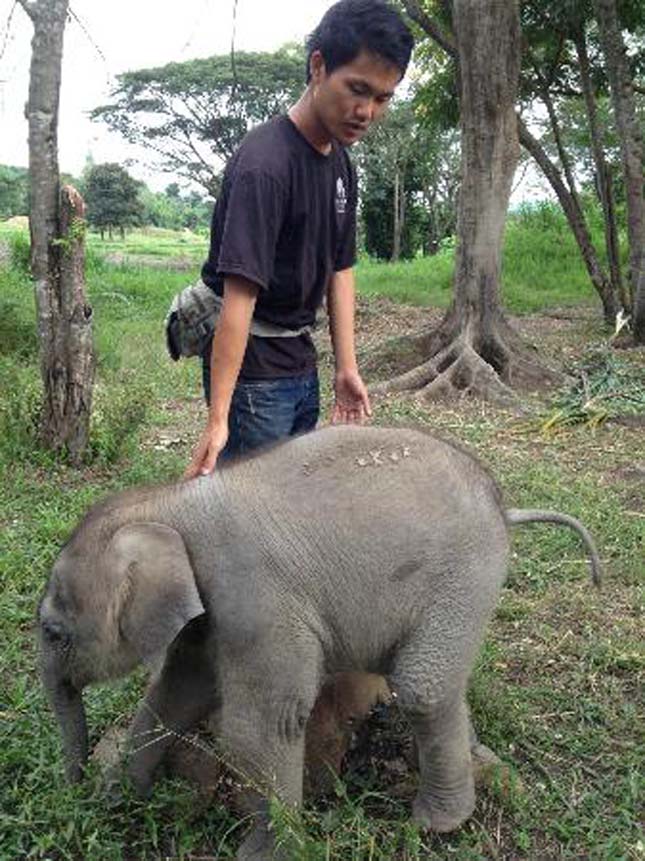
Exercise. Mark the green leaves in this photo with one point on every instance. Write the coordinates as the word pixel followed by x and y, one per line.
pixel 193 115
pixel 112 197
pixel 604 386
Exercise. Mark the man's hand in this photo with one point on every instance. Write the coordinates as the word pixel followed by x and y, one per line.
pixel 352 404
pixel 206 452
pixel 229 342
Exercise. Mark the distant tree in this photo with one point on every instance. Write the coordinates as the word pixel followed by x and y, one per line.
pixel 385 159
pixel 560 69
pixel 197 211
pixel 437 178
pixel 112 198
pixel 57 252
pixel 409 173
pixel 193 115
pixel 160 210
pixel 14 191
pixel 175 211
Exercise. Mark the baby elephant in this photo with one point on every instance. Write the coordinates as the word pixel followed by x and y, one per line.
pixel 349 549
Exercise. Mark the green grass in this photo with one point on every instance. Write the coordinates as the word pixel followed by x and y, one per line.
pixel 541 268
pixel 541 264
pixel 423 281
pixel 558 688
pixel 153 242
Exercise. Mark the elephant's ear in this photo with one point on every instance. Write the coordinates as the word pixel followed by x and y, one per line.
pixel 156 595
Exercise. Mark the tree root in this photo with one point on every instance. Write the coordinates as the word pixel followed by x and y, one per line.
pixel 465 363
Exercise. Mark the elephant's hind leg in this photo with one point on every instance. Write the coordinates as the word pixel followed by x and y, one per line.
pixel 446 796
pixel 439 718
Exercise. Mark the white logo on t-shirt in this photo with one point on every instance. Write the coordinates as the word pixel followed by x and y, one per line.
pixel 341 197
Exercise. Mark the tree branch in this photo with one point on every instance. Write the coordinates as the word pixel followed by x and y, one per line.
pixel 430 26
pixel 8 29
pixel 30 7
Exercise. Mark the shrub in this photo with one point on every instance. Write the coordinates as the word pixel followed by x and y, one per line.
pixel 19 412
pixel 20 251
pixel 117 414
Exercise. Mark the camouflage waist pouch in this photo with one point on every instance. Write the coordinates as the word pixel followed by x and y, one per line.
pixel 191 319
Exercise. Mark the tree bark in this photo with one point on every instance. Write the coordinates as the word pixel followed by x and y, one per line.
pixel 577 223
pixel 398 227
pixel 57 256
pixel 603 175
pixel 565 161
pixel 631 147
pixel 475 350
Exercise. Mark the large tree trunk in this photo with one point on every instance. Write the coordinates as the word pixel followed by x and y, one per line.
pixel 631 147
pixel 475 350
pixel 57 261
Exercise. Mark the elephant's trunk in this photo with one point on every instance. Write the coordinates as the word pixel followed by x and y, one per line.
pixel 67 704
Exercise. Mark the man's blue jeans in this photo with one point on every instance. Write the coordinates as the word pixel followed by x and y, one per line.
pixel 264 411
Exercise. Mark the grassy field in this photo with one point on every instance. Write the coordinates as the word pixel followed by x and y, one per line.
pixel 558 688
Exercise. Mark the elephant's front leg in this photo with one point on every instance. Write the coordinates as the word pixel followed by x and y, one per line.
pixel 266 701
pixel 183 694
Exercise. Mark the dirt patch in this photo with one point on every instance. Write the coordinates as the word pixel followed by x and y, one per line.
pixel 632 479
pixel 387 335
pixel 18 222
pixel 378 319
pixel 183 421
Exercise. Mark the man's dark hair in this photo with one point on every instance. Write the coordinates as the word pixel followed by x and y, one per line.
pixel 351 26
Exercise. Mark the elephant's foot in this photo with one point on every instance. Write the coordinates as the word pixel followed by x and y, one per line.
pixel 443 814
pixel 259 845
pixel 114 781
pixel 118 764
pixel 491 773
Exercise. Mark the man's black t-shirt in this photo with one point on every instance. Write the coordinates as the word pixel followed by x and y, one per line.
pixel 286 220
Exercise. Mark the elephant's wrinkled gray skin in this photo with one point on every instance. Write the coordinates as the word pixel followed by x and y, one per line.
pixel 369 549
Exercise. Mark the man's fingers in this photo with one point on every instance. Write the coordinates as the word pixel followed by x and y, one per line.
pixel 345 414
pixel 209 461
pixel 199 453
pixel 193 467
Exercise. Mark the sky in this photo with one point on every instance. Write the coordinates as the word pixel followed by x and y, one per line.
pixel 105 38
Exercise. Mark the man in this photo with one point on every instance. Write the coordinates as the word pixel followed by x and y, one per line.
pixel 283 236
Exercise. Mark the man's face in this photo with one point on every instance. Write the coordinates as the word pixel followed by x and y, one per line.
pixel 348 100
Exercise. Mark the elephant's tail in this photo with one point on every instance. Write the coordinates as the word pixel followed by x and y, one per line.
pixel 516 516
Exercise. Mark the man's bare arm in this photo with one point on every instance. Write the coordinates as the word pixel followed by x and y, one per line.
pixel 229 344
pixel 352 401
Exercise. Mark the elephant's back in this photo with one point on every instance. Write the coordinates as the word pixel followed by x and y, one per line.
pixel 391 503
pixel 349 458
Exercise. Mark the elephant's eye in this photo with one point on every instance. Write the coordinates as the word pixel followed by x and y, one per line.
pixel 55 632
